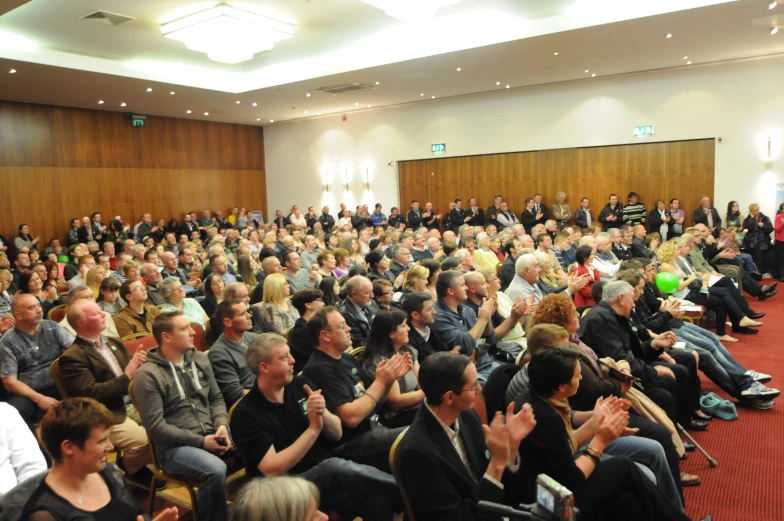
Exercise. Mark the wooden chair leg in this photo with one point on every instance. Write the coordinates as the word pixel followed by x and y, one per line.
pixel 152 492
pixel 194 503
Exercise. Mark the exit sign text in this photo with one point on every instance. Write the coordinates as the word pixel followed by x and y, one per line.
pixel 643 130
pixel 438 147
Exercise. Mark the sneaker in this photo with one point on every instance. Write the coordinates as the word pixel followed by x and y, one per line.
pixel 759 377
pixel 757 403
pixel 757 390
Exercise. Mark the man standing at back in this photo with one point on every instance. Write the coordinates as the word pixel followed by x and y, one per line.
pixel 611 215
pixel 707 215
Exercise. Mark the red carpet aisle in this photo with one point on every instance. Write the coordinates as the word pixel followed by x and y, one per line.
pixel 748 484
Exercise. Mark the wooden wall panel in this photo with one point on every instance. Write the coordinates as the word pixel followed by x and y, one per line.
pixel 683 169
pixel 57 163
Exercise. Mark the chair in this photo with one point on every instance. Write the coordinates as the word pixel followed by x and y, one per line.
pixel 198 339
pixel 137 341
pixel 357 352
pixel 186 482
pixel 523 358
pixel 54 371
pixel 393 467
pixel 694 316
pixel 231 409
pixel 62 289
pixel 288 334
pixel 498 267
pixel 57 313
pixel 481 407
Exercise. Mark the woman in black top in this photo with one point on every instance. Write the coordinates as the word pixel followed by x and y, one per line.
pixel 757 240
pixel 81 486
pixel 611 488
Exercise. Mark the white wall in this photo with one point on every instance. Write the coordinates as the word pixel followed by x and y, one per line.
pixel 741 102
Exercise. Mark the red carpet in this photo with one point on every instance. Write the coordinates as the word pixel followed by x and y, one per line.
pixel 747 484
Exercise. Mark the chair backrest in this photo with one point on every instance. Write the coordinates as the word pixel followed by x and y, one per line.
pixel 523 358
pixel 231 409
pixel 139 341
pixel 62 289
pixel 54 371
pixel 288 334
pixel 198 339
pixel 498 267
pixel 480 407
pixel 57 313
pixel 393 467
pixel 357 352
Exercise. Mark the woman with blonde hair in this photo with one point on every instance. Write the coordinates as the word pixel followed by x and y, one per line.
pixel 516 334
pixel 342 262
pixel 547 274
pixel 93 279
pixel 483 255
pixel 416 279
pixel 284 498
pixel 276 310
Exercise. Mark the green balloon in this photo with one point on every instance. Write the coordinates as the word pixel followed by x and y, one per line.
pixel 667 282
pixel 63 259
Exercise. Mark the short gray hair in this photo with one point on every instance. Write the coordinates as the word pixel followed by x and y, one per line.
pixel 262 350
pixel 165 286
pixel 354 284
pixel 612 290
pixel 76 289
pixel 275 499
pixel 613 232
pixel 524 262
pixel 461 254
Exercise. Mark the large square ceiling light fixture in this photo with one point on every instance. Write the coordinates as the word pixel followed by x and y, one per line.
pixel 411 10
pixel 227 34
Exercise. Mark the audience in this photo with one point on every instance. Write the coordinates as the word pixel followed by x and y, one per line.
pixel 276 499
pixel 173 292
pixel 213 287
pixel 306 302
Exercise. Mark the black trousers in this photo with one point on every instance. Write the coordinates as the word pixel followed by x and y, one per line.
pixel 371 448
pixel 687 384
pixel 27 408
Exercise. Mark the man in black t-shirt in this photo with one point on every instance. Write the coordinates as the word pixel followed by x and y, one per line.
pixel 350 394
pixel 282 427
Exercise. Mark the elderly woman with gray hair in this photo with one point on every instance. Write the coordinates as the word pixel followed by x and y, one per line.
pixel 171 289
pixel 562 214
pixel 283 498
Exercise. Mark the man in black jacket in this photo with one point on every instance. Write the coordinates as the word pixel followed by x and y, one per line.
pixel 492 212
pixel 326 220
pixel 530 217
pixel 611 215
pixel 707 215
pixel 359 309
pixel 444 478
pixel 606 328
pixel 542 214
pixel 414 215
pixel 477 214
pixel 419 308
pixel 457 216
pixel 188 226
pixel 507 273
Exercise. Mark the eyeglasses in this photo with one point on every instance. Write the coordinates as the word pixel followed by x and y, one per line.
pixel 137 288
pixel 476 387
pixel 491 280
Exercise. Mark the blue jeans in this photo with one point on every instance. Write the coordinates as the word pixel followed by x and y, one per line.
pixel 485 366
pixel 209 469
pixel 747 262
pixel 649 456
pixel 355 490
pixel 715 361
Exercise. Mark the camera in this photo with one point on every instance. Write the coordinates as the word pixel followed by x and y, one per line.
pixel 555 498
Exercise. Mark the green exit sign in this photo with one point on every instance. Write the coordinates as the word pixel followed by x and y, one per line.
pixel 138 121
pixel 643 130
pixel 438 147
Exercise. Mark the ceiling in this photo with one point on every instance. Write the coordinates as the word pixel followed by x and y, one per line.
pixel 60 60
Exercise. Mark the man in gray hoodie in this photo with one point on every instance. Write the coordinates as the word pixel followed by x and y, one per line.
pixel 183 411
pixel 227 354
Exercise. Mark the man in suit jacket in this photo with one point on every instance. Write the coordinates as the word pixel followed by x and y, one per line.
pixel 445 462
pixel 707 215
pixel 101 368
pixel 492 211
pixel 477 214
pixel 359 309
pixel 457 216
pixel 542 214
pixel 188 226
pixel 529 216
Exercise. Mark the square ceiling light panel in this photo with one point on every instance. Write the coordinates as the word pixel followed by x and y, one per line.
pixel 411 10
pixel 227 34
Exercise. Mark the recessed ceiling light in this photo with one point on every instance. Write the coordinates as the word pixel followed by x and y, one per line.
pixel 772 5
pixel 555 54
pixel 378 83
pixel 369 106
pixel 432 97
pixel 308 94
pixel 122 104
pixel 685 57
pixel 593 75
pixel 459 69
pixel 498 83
pixel 319 114
pixel 12 71
pixel 206 113
pixel 774 30
pixel 669 35
pixel 272 121
pixel 171 93
pixel 187 111
pixel 586 71
pixel 258 119
pixel 149 89
pixel 255 104
pixel 507 86
pixel 100 102
pixel 422 94
pixel 238 102
pixel 356 104
pixel 688 62
pixel 306 112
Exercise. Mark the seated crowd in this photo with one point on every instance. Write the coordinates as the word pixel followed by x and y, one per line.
pixel 322 339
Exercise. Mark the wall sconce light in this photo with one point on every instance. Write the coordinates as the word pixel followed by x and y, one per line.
pixel 326 181
pixel 769 157
pixel 345 180
pixel 367 179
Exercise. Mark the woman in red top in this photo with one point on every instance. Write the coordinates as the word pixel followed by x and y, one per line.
pixel 584 257
pixel 779 238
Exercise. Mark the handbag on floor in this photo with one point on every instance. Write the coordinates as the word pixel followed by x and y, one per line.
pixel 715 406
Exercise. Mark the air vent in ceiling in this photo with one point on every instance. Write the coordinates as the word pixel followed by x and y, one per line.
pixel 107 18
pixel 344 89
